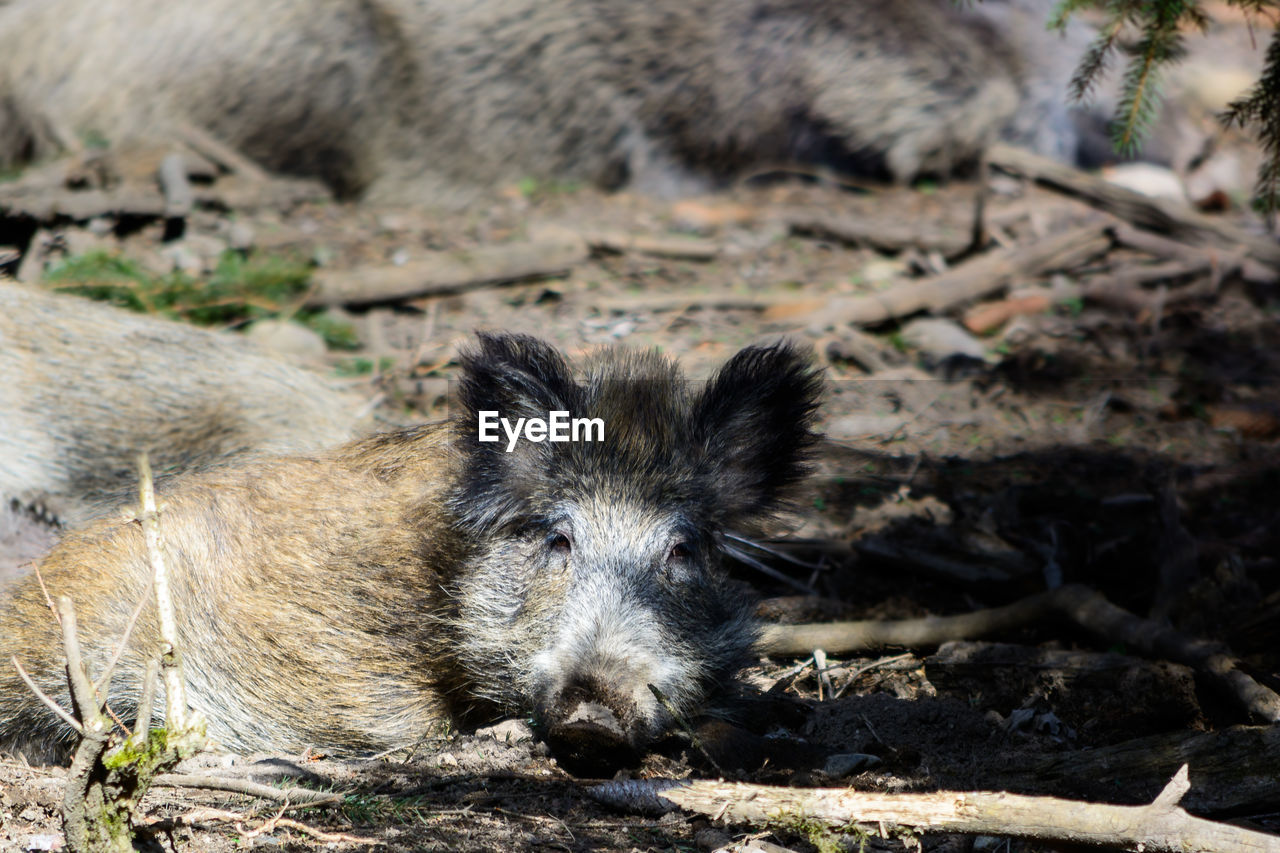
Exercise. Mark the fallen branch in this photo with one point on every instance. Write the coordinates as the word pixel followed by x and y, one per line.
pixel 82 205
pixel 447 272
pixel 236 192
pixel 1081 605
pixel 704 302
pixel 974 279
pixel 226 157
pixel 179 719
pixel 880 235
pixel 233 193
pixel 1177 220
pixel 1222 262
pixel 1161 825
pixel 688 249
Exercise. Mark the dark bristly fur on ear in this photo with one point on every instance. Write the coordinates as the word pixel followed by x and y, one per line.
pixel 517 376
pixel 726 454
pixel 755 419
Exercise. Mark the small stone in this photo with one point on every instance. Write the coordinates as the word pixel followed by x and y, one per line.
pixel 852 427
pixel 392 222
pixel 194 254
pixel 940 339
pixel 78 241
pixel 285 338
pixel 323 256
pixel 846 763
pixel 180 258
pixel 882 270
pixel 1147 178
pixel 446 759
pixel 507 731
pixel 241 237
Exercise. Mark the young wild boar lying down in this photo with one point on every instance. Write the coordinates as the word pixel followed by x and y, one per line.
pixel 353 600
pixel 85 386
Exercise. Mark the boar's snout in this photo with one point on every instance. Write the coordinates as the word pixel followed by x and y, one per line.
pixel 592 730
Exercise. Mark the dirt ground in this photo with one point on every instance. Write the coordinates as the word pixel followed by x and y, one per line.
pixel 1126 446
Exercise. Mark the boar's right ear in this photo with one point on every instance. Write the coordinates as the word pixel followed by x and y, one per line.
pixel 517 376
pixel 754 422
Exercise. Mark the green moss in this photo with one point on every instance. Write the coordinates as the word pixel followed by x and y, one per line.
pixel 136 752
pixel 823 836
pixel 337 334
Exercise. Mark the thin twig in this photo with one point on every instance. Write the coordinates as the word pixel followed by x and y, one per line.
pixel 297 796
pixel 200 815
pixel 764 568
pixel 171 661
pixel 109 670
pixel 82 692
pixel 44 697
pixel 146 702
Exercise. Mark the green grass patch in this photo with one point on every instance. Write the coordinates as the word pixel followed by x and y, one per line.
pixel 535 189
pixel 363 366
pixel 240 289
pixel 368 809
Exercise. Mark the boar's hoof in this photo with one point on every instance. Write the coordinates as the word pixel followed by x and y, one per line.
pixel 589 741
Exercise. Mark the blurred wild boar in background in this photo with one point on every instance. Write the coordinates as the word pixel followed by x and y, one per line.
pixel 429 100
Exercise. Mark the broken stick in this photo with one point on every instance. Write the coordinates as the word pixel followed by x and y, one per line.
pixel 1180 221
pixel 883 236
pixel 977 277
pixel 1161 825
pixel 684 248
pixel 439 273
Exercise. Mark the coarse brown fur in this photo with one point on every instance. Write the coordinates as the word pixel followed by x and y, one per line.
pixel 84 387
pixel 428 99
pixel 354 599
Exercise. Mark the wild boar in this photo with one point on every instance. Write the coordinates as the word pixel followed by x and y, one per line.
pixel 355 599
pixel 426 100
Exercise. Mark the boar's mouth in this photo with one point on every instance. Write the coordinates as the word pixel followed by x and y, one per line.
pixel 593 734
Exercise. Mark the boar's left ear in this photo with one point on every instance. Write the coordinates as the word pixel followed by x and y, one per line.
pixel 516 376
pixel 754 421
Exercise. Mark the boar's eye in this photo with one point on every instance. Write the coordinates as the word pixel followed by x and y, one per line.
pixel 681 552
pixel 559 542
